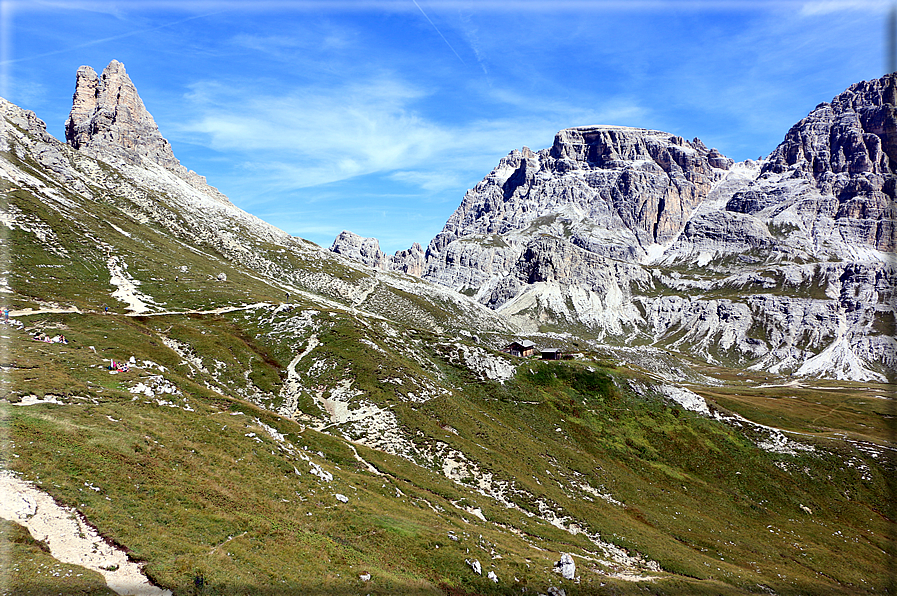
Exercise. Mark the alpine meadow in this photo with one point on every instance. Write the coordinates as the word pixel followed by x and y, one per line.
pixel 626 365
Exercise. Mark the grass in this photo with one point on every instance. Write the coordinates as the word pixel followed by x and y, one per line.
pixel 181 483
pixel 194 485
pixel 28 568
pixel 856 411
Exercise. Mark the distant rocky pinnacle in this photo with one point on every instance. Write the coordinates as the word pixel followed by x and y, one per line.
pixel 367 251
pixel 108 121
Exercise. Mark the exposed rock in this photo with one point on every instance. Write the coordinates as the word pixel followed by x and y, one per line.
pixel 367 251
pixel 849 149
pixel 566 566
pixel 410 261
pixel 108 121
pixel 630 233
pixel 475 565
pixel 108 115
pixel 363 250
pixel 643 183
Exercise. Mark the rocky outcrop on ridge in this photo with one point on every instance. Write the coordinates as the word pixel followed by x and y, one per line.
pixel 367 251
pixel 108 121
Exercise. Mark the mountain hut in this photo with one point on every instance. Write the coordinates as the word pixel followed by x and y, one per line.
pixel 551 354
pixel 521 348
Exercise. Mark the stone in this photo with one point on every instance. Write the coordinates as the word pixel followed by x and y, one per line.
pixel 566 566
pixel 108 116
pixel 363 250
pixel 367 251
pixel 848 148
pixel 593 231
pixel 475 565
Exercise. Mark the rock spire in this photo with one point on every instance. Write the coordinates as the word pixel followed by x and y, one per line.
pixel 108 121
pixel 109 117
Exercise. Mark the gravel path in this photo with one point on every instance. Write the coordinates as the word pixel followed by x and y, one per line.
pixel 70 538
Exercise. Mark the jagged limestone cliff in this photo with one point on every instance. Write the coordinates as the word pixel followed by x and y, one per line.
pixel 637 235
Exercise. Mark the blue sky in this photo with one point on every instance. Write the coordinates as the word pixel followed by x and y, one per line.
pixel 377 116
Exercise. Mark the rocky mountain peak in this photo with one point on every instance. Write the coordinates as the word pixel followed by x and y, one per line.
pixel 109 117
pixel 367 251
pixel 641 184
pixel 847 149
pixel 108 121
pixel 854 134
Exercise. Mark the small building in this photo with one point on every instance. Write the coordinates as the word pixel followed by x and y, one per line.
pixel 551 354
pixel 521 348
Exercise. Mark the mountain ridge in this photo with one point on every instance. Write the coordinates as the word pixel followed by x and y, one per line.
pixel 824 195
pixel 248 413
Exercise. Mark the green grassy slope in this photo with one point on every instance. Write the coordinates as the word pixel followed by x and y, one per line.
pixel 261 444
pixel 180 474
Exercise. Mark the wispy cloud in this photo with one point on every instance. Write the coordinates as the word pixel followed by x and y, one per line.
pixel 317 135
pixel 824 7
pixel 311 137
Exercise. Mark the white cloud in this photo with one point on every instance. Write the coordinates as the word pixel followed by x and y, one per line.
pixel 318 135
pixel 431 180
pixel 823 7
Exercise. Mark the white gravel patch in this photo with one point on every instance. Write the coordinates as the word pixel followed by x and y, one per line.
pixel 70 538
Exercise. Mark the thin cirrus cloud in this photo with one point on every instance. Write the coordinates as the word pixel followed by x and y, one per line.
pixel 824 7
pixel 315 136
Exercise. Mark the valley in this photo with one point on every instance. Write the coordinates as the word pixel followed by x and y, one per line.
pixel 287 419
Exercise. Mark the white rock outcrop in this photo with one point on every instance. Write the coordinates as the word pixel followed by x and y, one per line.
pixel 566 566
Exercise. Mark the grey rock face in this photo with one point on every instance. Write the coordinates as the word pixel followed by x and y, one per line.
pixel 108 121
pixel 639 235
pixel 363 250
pixel 849 149
pixel 642 183
pixel 108 116
pixel 367 251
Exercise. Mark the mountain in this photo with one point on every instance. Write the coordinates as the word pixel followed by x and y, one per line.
pixel 238 411
pixel 639 237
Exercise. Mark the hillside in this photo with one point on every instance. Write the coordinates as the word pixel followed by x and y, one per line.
pixel 291 421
